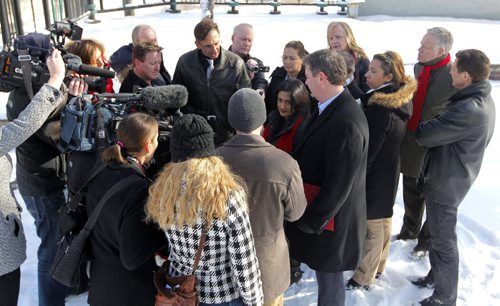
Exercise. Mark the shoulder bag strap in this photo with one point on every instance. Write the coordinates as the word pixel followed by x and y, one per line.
pixel 24 58
pixel 77 198
pixel 203 237
pixel 97 211
pixel 98 169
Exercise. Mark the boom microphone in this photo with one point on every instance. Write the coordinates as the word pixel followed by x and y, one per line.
pixel 164 97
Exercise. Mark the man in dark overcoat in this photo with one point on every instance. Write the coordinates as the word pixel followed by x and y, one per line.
pixel 332 154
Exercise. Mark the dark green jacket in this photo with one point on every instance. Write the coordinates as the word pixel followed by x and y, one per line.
pixel 436 100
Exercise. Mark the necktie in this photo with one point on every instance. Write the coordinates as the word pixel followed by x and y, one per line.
pixel 210 68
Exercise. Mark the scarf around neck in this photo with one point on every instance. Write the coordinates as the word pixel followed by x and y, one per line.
pixel 423 84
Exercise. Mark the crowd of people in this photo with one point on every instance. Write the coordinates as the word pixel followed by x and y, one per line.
pixel 302 168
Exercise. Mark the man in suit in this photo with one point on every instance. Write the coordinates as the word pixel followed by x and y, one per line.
pixel 332 154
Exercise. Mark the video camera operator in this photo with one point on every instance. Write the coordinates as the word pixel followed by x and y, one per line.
pixel 40 181
pixel 242 41
pixel 91 52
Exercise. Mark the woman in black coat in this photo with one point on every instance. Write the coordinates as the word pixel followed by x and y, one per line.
pixel 341 38
pixel 122 243
pixel 387 107
pixel 284 122
pixel 293 68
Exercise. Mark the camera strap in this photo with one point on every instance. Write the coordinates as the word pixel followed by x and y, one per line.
pixel 24 58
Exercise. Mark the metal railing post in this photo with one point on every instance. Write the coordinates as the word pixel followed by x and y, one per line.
pixel 92 10
pixel 173 7
pixel 46 14
pixel 128 12
pixel 4 22
pixel 18 18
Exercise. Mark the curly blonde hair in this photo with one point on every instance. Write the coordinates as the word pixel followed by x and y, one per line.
pixel 184 190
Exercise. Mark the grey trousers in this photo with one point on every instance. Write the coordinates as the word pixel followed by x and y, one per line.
pixel 414 210
pixel 443 255
pixel 331 288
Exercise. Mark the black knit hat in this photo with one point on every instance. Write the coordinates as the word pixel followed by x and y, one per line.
pixel 191 137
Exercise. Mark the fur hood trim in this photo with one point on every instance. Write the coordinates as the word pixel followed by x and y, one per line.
pixel 395 99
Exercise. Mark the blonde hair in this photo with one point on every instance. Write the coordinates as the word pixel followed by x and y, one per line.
pixel 183 190
pixel 352 45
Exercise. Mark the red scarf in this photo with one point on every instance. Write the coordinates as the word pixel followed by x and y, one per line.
pixel 418 99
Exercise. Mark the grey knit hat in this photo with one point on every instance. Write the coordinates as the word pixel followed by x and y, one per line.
pixel 246 110
pixel 191 137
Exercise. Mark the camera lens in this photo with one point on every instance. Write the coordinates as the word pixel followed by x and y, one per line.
pixel 255 69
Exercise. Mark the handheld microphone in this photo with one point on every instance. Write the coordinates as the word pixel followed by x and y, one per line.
pixel 165 97
pixel 74 63
pixel 91 70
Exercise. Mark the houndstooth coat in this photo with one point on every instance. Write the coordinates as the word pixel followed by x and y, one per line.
pixel 228 267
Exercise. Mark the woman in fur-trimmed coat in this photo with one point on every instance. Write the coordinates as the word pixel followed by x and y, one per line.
pixel 387 107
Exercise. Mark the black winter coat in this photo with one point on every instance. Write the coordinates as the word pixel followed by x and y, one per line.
pixel 332 153
pixel 259 80
pixel 122 57
pixel 210 98
pixel 387 111
pixel 456 141
pixel 132 83
pixel 122 244
pixel 40 168
pixel 359 74
pixel 278 76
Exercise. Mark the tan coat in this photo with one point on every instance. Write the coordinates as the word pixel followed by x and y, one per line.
pixel 276 194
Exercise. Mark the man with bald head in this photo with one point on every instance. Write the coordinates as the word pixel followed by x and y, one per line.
pixel 121 60
pixel 242 41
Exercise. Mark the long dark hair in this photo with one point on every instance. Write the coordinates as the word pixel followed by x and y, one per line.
pixel 132 135
pixel 299 96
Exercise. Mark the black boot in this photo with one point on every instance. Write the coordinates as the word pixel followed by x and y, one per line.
pixel 424 282
pixel 295 272
pixel 352 285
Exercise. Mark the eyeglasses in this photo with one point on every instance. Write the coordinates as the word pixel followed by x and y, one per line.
pixel 213 46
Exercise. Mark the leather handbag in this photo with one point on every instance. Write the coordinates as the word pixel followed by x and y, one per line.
pixel 72 250
pixel 179 290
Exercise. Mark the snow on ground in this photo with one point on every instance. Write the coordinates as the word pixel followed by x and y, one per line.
pixel 478 228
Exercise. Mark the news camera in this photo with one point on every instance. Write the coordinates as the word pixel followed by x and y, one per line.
pixel 256 69
pixel 27 54
pixel 89 123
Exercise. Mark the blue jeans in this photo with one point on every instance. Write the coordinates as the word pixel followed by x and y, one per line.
pixel 237 302
pixel 44 211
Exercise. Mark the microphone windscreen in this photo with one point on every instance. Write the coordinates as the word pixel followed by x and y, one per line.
pixel 164 97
